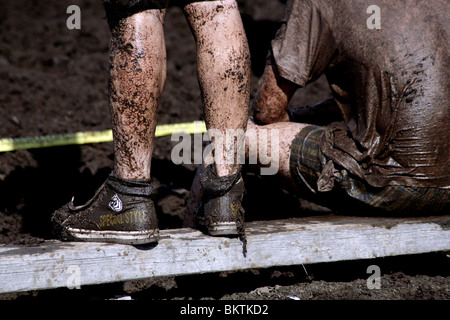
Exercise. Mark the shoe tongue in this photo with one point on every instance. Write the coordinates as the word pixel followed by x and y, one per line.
pixel 215 185
pixel 131 187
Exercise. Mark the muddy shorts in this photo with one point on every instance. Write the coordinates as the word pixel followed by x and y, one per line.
pixel 119 9
pixel 328 182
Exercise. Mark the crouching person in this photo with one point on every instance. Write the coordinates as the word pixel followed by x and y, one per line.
pixel 391 87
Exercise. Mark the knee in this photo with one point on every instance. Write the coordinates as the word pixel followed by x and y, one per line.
pixel 209 9
pixel 117 10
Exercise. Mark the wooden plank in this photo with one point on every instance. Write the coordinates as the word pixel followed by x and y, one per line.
pixel 55 264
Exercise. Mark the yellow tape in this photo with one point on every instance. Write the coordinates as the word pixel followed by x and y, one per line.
pixel 11 144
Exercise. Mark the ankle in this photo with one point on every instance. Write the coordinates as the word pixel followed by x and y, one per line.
pixel 226 170
pixel 131 187
pixel 216 185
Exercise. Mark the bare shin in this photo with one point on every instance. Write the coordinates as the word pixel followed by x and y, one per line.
pixel 137 77
pixel 223 67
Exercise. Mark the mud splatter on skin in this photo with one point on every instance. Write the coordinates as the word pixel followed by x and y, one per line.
pixel 272 98
pixel 137 76
pixel 223 69
pixel 223 65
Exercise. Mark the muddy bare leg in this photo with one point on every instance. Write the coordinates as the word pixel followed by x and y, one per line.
pixel 223 67
pixel 137 76
pixel 285 134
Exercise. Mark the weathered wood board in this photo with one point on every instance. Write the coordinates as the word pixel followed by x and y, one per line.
pixel 55 264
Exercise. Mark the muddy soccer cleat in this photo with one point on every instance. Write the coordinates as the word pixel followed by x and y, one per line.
pixel 222 212
pixel 121 211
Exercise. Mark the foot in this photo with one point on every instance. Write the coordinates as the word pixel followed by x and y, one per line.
pixel 223 214
pixel 121 211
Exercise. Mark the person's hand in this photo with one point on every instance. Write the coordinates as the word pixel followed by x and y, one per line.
pixel 268 115
pixel 272 97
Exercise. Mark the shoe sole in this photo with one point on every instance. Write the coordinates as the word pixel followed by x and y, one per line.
pixel 110 236
pixel 223 229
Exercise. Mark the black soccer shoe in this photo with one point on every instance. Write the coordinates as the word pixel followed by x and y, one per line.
pixel 222 211
pixel 121 211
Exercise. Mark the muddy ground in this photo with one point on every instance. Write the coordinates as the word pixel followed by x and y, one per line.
pixel 54 80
